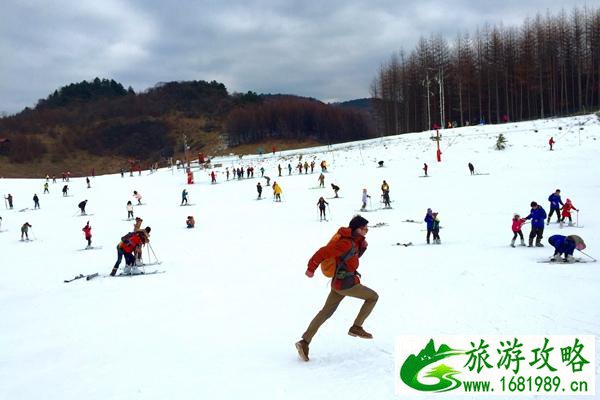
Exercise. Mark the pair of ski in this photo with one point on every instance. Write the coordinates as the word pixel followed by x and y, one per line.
pixel 561 261
pixel 403 244
pixel 121 275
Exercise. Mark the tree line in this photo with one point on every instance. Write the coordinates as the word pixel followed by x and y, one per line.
pixel 289 117
pixel 549 66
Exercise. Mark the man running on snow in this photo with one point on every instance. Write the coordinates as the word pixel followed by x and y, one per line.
pixel 346 281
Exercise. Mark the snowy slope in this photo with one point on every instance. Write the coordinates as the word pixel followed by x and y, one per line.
pixel 222 321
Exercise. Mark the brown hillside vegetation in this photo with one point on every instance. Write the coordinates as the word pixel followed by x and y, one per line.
pixel 102 126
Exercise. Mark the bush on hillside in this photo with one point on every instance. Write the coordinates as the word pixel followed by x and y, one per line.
pixel 26 148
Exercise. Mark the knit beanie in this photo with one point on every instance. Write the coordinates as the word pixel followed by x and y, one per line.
pixel 357 222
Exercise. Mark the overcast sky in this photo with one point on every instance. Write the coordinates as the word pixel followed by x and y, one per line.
pixel 328 49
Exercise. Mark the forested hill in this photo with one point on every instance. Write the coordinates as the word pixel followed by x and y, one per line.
pixel 100 124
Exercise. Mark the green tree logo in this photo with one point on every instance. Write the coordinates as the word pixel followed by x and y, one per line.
pixel 413 365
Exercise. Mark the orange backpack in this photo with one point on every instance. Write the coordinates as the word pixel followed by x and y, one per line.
pixel 328 265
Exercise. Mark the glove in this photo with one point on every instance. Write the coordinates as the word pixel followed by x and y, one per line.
pixel 309 273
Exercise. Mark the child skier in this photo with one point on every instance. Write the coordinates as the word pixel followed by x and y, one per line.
pixel 321 203
pixel 436 229
pixel 365 197
pixel 87 230
pixel 129 209
pixel 517 224
pixel 336 189
pixel 46 190
pixel 566 212
pixel 138 197
pixel 565 245
pixel 25 230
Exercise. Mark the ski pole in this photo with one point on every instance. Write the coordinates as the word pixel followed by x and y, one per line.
pixel 329 209
pixel 153 253
pixel 32 234
pixel 577 217
pixel 370 204
pixel 5 203
pixel 592 258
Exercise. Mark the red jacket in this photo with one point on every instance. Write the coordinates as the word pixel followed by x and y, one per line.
pixel 134 241
pixel 566 210
pixel 337 249
pixel 88 231
pixel 517 224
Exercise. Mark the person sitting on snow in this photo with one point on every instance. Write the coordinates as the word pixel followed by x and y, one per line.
pixel 190 222
pixel 565 245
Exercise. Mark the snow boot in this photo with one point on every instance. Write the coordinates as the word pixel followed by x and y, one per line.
pixel 539 244
pixel 302 347
pixel 127 270
pixel 358 331
pixel 523 242
pixel 571 223
pixel 512 243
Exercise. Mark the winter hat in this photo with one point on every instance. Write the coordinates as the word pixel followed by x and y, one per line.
pixel 568 200
pixel 357 221
pixel 579 243
pixel 533 204
pixel 147 230
pixel 429 211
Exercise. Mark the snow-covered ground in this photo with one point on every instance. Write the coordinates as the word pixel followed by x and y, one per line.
pixel 222 321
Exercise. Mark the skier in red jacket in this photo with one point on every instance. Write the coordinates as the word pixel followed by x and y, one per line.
pixel 87 229
pixel 127 247
pixel 551 142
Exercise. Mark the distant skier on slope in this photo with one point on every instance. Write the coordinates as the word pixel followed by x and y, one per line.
pixel 551 142
pixel 429 221
pixel 321 180
pixel 321 204
pixel 36 201
pixel 336 189
pixel 425 168
pixel 87 230
pixel 259 190
pixel 65 190
pixel 25 230
pixel 184 198
pixel 190 222
pixel 471 168
pixel 129 209
pixel 138 197
pixel 436 229
pixel 277 192
pixel 365 197
pixel 82 207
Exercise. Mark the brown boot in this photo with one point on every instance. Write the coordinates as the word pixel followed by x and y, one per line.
pixel 302 347
pixel 358 331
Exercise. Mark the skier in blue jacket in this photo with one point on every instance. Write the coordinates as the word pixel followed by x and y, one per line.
pixel 565 245
pixel 429 220
pixel 537 217
pixel 555 203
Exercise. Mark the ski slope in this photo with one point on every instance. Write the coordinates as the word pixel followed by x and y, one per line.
pixel 222 321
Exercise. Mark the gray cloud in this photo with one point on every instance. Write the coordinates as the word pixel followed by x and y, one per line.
pixel 329 50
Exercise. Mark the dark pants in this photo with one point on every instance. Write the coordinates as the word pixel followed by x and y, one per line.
pixel 89 241
pixel 537 233
pixel 436 234
pixel 322 212
pixel 429 232
pixel 129 258
pixel 570 219
pixel 129 214
pixel 552 211
pixel 520 233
